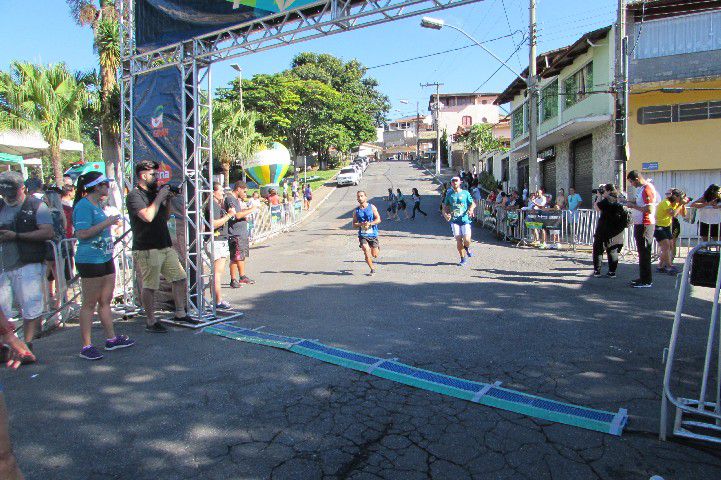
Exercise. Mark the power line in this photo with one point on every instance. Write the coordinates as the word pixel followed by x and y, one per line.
pixel 500 67
pixel 441 52
pixel 508 22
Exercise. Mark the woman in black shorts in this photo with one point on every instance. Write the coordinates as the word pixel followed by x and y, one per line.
pixel 94 262
pixel 709 213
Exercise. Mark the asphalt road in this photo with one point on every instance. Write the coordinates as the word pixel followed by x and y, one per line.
pixel 197 406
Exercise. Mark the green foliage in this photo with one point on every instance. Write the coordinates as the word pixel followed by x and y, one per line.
pixel 444 147
pixel 488 181
pixel 480 138
pixel 234 137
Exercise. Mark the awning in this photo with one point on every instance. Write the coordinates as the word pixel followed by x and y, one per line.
pixel 30 143
pixel 7 158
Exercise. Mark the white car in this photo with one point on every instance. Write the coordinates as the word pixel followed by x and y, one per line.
pixel 358 169
pixel 347 176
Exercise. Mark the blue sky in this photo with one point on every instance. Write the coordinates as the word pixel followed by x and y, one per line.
pixel 42 31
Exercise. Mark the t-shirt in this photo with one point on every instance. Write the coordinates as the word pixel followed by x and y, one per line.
pixel 574 201
pixel 460 202
pixel 220 233
pixel 539 202
pixel 645 195
pixel 663 215
pixel 9 254
pixel 97 249
pixel 366 215
pixel 274 200
pixel 237 228
pixel 68 211
pixel 148 236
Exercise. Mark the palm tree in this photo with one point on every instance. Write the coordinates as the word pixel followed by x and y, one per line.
pixel 47 99
pixel 234 135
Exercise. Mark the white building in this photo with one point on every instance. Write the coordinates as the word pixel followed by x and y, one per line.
pixel 459 111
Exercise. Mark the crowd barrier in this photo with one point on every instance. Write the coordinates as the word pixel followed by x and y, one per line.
pixel 577 229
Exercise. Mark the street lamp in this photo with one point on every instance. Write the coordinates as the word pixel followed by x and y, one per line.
pixel 238 69
pixel 437 24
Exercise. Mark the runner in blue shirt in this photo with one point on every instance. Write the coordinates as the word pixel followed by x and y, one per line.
pixel 458 209
pixel 366 220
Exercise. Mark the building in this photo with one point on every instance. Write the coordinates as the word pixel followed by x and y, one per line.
pixel 674 101
pixel 461 110
pixel 575 118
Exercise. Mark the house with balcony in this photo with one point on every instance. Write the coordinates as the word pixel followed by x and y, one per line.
pixel 575 118
pixel 674 101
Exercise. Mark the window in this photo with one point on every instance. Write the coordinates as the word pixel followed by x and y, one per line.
pixel 490 165
pixel 549 101
pixel 517 122
pixel 577 86
pixel 484 102
pixel 700 32
pixel 684 112
pixel 466 121
pixel 464 101
pixel 504 169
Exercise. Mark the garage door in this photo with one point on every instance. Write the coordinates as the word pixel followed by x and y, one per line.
pixel 583 169
pixel 548 177
pixel 522 176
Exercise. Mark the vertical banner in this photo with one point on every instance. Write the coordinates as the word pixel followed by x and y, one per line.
pixel 158 122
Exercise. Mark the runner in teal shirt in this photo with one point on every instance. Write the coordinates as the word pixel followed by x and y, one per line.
pixel 459 209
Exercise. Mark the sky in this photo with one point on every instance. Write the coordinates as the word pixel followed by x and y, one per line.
pixel 41 31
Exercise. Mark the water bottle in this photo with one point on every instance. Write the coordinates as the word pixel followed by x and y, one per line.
pixel 172 228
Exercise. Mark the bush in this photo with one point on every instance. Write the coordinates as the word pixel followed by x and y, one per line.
pixel 488 181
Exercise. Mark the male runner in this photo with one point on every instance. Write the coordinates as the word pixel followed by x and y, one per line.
pixel 366 220
pixel 458 209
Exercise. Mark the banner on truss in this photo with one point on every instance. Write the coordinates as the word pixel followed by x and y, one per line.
pixel 159 23
pixel 158 122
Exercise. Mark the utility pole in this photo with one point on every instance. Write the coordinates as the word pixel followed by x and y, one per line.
pixel 533 167
pixel 438 123
pixel 418 132
pixel 621 97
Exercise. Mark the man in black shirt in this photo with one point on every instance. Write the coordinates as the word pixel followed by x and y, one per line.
pixel 238 236
pixel 221 217
pixel 153 251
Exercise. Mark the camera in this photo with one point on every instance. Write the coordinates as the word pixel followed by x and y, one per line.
pixel 174 189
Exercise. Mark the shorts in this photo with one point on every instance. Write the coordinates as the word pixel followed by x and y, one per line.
pixel 461 230
pixel 157 262
pixel 239 248
pixel 709 230
pixel 372 242
pixel 95 270
pixel 220 249
pixel 23 286
pixel 662 233
pixel 675 228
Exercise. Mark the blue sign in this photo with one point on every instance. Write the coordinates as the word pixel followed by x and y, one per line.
pixel 649 166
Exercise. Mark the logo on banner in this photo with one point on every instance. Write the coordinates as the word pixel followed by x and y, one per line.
pixel 156 123
pixel 164 173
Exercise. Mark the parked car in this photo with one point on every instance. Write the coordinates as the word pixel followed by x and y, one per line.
pixel 358 169
pixel 347 176
pixel 362 164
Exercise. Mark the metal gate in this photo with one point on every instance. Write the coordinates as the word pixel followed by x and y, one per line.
pixel 582 169
pixel 523 175
pixel 548 177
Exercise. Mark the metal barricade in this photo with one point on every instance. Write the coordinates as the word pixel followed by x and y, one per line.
pixel 697 418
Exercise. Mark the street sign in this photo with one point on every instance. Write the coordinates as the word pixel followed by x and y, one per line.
pixel 649 166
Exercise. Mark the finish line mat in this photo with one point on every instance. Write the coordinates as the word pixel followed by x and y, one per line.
pixel 483 393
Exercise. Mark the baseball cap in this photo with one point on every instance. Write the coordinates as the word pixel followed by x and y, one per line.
pixel 98 181
pixel 10 182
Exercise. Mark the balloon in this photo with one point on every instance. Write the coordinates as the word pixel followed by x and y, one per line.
pixel 269 166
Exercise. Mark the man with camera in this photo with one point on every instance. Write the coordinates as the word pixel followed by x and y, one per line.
pixel 25 226
pixel 153 251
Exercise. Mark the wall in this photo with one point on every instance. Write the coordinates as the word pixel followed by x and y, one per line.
pixel 690 145
pixel 452 117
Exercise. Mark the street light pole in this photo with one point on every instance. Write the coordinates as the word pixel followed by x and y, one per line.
pixel 438 123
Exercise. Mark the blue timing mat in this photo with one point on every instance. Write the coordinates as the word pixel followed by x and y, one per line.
pixel 492 395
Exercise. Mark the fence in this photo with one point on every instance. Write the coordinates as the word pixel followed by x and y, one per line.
pixel 577 228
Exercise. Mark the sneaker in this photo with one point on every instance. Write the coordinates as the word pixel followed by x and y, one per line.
pixel 597 273
pixel 372 272
pixel 543 246
pixel 120 341
pixel 90 353
pixel 661 270
pixel 557 246
pixel 673 271
pixel 640 284
pixel 157 327
pixel 246 280
pixel 468 252
pixel 234 283
pixel 185 319
pixel 223 306
pixel 463 262
pixel 611 275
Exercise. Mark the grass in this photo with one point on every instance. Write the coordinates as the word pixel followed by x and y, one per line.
pixel 325 177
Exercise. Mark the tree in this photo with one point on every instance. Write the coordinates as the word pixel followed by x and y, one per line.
pixel 48 99
pixel 234 135
pixel 480 138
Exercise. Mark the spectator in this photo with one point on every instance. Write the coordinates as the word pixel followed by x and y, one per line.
pixel 476 194
pixel 153 252
pixel 67 198
pixel 524 195
pixel 417 204
pixel 238 233
pixel 709 213
pixel 644 219
pixel 25 226
pixel 221 217
pixel 52 200
pixel 307 196
pixel 94 262
pixel 666 211
pixel 273 197
pixel 294 190
pixel 392 205
pixel 402 206
pixel 19 353
pixel 610 229
pixel 68 180
pixel 574 200
pixel 561 199
pixel 554 232
pixel 538 203
pixel 34 185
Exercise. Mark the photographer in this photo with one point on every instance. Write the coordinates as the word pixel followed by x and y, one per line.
pixel 609 229
pixel 666 212
pixel 153 251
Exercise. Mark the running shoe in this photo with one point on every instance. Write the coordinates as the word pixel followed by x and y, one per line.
pixel 463 262
pixel 468 252
pixel 611 275
pixel 223 305
pixel 372 272
pixel 157 327
pixel 543 246
pixel 672 271
pixel 90 353
pixel 120 341
pixel 246 280
pixel 234 283
pixel 597 273
pixel 640 284
pixel 661 270
pixel 185 319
